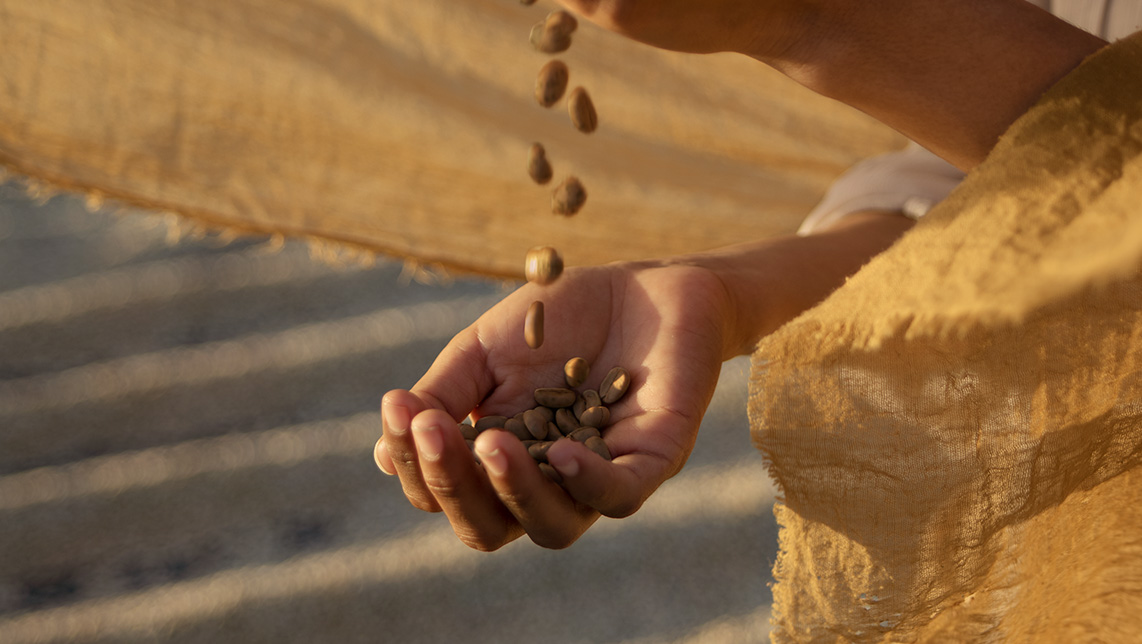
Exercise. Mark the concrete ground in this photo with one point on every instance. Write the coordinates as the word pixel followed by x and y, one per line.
pixel 185 456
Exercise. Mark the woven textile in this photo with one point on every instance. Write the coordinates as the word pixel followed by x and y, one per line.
pixel 957 431
pixel 403 127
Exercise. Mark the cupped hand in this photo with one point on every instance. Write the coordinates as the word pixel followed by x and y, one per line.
pixel 664 323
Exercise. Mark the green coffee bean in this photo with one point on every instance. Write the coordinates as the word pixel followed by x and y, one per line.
pixel 568 197
pixel 553 34
pixel 575 372
pixel 565 420
pixel 538 167
pixel 596 417
pixel 538 450
pixel 554 397
pixel 533 325
pixel 543 265
pixel 551 83
pixel 551 473
pixel 598 446
pixel 583 433
pixel 592 398
pixel 582 111
pixel 517 428
pixel 615 384
pixel 489 422
pixel 468 431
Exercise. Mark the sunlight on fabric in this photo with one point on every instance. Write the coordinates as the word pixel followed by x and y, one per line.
pixel 411 556
pixel 292 348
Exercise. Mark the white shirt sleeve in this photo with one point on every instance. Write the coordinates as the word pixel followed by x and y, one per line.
pixel 910 181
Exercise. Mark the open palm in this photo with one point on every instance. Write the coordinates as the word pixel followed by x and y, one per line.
pixel 663 322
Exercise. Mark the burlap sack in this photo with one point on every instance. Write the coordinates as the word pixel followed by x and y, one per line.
pixel 957 431
pixel 403 127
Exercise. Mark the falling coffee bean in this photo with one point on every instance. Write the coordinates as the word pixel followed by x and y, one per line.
pixel 582 111
pixel 568 197
pixel 553 34
pixel 533 325
pixel 551 83
pixel 538 168
pixel 543 265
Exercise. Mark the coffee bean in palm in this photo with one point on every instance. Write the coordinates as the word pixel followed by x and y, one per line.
pixel 551 83
pixel 543 265
pixel 582 111
pixel 536 423
pixel 490 422
pixel 568 197
pixel 554 397
pixel 533 325
pixel 596 417
pixel 553 432
pixel 517 428
pixel 583 433
pixel 614 385
pixel 591 398
pixel 575 372
pixel 565 420
pixel 598 446
pixel 538 450
pixel 468 431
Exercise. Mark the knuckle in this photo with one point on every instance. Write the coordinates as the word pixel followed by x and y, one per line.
pixel 477 541
pixel 621 508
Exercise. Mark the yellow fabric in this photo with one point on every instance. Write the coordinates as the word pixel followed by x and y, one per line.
pixel 403 127
pixel 957 431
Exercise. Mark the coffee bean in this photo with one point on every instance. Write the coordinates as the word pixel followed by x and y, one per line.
pixel 561 23
pixel 592 399
pixel 614 385
pixel 533 325
pixel 547 40
pixel 568 197
pixel 535 422
pixel 551 83
pixel 547 412
pixel 543 265
pixel 538 167
pixel 553 432
pixel 489 422
pixel 598 446
pixel 565 420
pixel 517 428
pixel 596 417
pixel 583 433
pixel 575 372
pixel 538 450
pixel 554 397
pixel 468 432
pixel 551 473
pixel 582 111
pixel 580 405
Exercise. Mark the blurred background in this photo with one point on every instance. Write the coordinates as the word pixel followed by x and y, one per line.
pixel 186 433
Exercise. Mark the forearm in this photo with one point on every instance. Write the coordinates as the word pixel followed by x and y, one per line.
pixel 952 75
pixel 771 281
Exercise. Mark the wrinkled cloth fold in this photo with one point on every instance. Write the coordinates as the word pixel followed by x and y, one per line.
pixel 957 431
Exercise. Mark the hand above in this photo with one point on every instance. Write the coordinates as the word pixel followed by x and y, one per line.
pixel 662 322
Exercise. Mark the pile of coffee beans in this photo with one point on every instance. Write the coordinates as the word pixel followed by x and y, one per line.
pixel 560 412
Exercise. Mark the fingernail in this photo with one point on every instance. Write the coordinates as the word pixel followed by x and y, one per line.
pixel 563 463
pixel 429 442
pixel 396 419
pixel 494 462
pixel 377 449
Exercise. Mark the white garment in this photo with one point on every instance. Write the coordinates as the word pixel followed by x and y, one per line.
pixel 913 180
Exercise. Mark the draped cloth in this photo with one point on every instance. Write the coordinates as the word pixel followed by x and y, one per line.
pixel 403 128
pixel 957 431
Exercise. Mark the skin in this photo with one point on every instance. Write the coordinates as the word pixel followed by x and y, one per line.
pixel 951 74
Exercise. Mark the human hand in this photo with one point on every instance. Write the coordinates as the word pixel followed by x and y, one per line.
pixel 664 323
pixel 704 26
